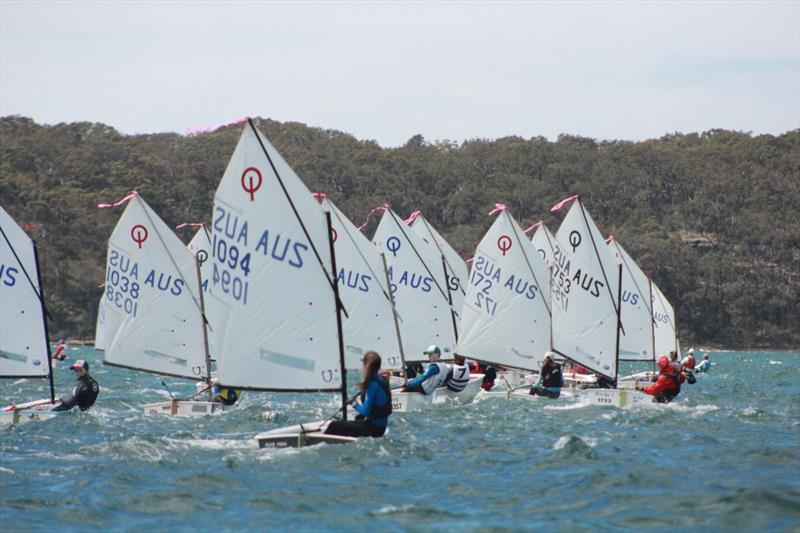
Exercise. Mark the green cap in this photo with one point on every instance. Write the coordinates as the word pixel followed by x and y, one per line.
pixel 433 349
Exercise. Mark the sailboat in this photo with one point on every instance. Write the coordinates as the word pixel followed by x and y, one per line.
pixel 587 320
pixel 153 291
pixel 272 268
pixel 24 337
pixel 506 314
pixel 422 298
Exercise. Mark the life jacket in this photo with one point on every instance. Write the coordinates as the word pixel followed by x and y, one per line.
pixel 458 378
pixel 385 409
pixel 551 377
pixel 88 395
pixel 430 384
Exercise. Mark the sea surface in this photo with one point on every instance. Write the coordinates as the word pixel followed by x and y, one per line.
pixel 724 456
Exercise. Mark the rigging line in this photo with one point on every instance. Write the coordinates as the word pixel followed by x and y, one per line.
pixel 452 270
pixel 522 244
pixel 441 291
pixel 25 271
pixel 597 254
pixel 331 280
pixel 335 211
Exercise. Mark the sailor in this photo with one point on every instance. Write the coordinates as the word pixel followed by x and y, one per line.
pixel 689 361
pixel 85 391
pixel 458 375
pixel 550 379
pixel 224 395
pixel 704 365
pixel 667 385
pixel 434 376
pixel 59 353
pixel 373 404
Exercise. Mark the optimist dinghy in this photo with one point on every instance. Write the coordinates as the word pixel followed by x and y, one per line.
pixel 24 337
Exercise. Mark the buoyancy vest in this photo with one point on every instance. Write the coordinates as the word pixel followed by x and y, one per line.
pixel 458 378
pixel 430 384
pixel 385 409
pixel 551 377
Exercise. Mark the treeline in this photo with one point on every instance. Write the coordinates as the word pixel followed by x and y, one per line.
pixel 714 216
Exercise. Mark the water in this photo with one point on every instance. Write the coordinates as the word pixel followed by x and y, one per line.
pixel 725 456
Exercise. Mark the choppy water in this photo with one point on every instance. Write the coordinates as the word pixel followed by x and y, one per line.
pixel 726 456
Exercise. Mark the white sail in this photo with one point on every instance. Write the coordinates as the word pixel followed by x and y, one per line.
pixel 151 282
pixel 636 340
pixel 216 311
pixel 23 342
pixel 543 241
pixel 506 315
pixel 665 331
pixel 417 277
pixel 362 288
pixel 584 285
pixel 281 332
pixel 457 271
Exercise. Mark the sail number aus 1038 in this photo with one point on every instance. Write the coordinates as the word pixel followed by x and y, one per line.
pixel 231 268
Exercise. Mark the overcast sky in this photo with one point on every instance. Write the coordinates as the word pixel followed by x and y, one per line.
pixel 388 71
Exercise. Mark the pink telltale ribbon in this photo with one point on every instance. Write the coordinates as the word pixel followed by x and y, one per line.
pixel 412 217
pixel 498 208
pixel 189 224
pixel 609 239
pixel 532 227
pixel 384 207
pixel 560 204
pixel 208 128
pixel 118 202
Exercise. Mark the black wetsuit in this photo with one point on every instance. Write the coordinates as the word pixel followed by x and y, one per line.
pixel 83 395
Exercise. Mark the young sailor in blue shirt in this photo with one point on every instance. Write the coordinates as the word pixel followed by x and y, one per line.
pixel 374 404
pixel 435 375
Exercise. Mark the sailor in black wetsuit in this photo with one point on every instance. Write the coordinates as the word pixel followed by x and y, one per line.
pixel 85 392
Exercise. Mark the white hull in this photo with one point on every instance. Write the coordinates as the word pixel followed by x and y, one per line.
pixel 299 436
pixel 403 402
pixel 620 398
pixel 185 408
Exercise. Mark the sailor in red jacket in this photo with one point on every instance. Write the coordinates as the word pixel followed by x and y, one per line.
pixel 668 384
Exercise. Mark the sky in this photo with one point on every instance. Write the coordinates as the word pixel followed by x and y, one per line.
pixel 390 70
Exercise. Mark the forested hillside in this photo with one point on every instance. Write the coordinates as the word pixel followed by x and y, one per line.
pixel 714 216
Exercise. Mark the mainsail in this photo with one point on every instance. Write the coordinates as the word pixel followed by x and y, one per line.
pixel 418 288
pixel 24 346
pixel 636 342
pixel 151 284
pixel 456 267
pixel 362 286
pixel 584 299
pixel 506 315
pixel 665 332
pixel 271 265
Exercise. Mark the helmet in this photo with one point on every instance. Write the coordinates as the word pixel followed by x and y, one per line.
pixel 432 349
pixel 663 363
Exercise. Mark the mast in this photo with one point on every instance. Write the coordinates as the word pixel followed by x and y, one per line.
pixel 652 323
pixel 619 319
pixel 396 324
pixel 44 319
pixel 450 297
pixel 205 328
pixel 339 307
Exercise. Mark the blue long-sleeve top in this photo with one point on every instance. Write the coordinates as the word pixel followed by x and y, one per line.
pixel 431 371
pixel 374 396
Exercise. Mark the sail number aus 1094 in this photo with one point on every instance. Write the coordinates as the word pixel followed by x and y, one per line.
pixel 231 268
